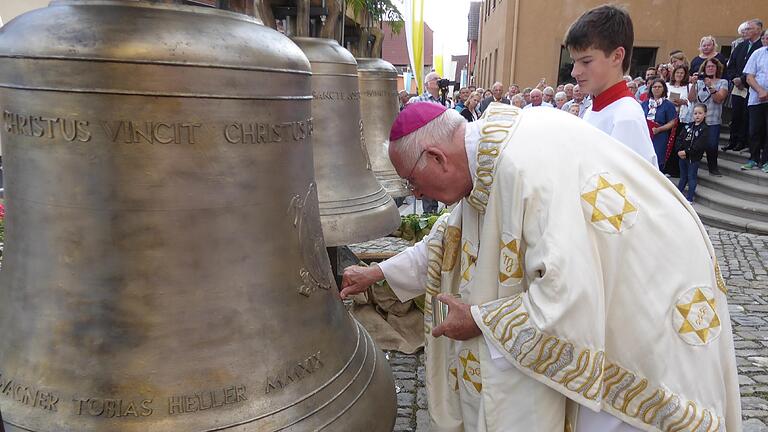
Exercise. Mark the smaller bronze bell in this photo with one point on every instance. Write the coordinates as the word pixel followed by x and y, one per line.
pixel 354 207
pixel 378 108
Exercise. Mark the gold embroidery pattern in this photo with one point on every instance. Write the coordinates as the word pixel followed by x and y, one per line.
pixel 451 242
pixel 719 278
pixel 607 203
pixel 695 318
pixel 499 125
pixel 434 267
pixel 470 370
pixel 620 392
pixel 468 260
pixel 510 261
pixel 453 376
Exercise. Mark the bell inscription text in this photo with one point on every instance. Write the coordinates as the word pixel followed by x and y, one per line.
pixel 110 408
pixel 293 373
pixel 152 131
pixel 49 127
pixel 206 400
pixel 28 395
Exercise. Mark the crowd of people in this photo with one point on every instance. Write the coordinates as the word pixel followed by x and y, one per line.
pixel 670 94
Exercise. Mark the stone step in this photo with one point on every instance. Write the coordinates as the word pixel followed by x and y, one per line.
pixel 732 205
pixel 734 187
pixel 719 219
pixel 741 157
pixel 733 169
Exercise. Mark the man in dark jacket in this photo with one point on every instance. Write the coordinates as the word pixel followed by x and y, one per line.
pixel 497 96
pixel 741 53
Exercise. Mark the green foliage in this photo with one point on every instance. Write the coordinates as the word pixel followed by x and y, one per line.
pixel 414 227
pixel 379 10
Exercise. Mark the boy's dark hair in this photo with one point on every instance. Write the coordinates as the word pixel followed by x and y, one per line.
pixel 701 105
pixel 605 28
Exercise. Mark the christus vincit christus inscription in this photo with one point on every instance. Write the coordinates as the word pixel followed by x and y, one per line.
pixel 53 128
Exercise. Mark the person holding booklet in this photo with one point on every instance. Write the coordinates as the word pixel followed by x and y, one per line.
pixel 678 95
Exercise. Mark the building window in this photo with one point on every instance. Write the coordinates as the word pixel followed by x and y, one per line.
pixel 495 64
pixel 642 59
pixel 490 71
pixel 565 67
pixel 482 72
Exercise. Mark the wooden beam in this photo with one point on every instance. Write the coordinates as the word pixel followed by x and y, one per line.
pixel 302 18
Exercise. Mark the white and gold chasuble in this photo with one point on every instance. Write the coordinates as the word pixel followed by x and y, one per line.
pixel 590 274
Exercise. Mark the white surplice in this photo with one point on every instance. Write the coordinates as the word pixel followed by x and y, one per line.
pixel 625 121
pixel 564 248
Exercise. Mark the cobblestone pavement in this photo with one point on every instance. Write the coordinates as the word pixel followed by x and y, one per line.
pixel 744 264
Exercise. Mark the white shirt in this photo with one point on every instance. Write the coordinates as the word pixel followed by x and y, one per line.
pixel 406 274
pixel 624 120
pixel 683 92
pixel 543 104
pixel 583 105
pixel 757 65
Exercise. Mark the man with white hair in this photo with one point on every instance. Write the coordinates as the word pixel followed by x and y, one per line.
pixel 537 100
pixel 518 100
pixel 741 52
pixel 742 31
pixel 548 95
pixel 580 99
pixel 560 99
pixel 567 308
pixel 431 91
pixel 568 89
pixel 497 95
pixel 740 55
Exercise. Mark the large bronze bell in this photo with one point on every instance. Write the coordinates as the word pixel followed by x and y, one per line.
pixel 379 107
pixel 164 268
pixel 354 207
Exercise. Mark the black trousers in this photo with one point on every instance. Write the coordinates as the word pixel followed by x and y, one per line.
pixel 672 166
pixel 739 122
pixel 758 139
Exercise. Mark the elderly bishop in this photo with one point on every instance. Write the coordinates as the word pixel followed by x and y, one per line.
pixel 583 293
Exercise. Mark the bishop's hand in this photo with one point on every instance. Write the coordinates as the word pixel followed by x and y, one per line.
pixel 459 324
pixel 357 279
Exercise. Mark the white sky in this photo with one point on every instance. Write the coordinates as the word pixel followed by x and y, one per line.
pixel 448 19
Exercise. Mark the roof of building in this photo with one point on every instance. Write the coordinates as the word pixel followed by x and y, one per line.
pixel 473 29
pixel 394 48
pixel 461 63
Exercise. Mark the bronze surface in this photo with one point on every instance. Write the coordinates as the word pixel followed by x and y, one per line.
pixel 354 207
pixel 163 269
pixel 379 107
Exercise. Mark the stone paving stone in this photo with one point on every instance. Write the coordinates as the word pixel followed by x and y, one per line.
pixel 743 262
pixel 754 425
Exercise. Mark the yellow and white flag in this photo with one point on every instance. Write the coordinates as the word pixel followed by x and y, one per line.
pixel 414 36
